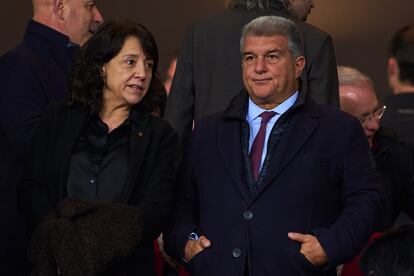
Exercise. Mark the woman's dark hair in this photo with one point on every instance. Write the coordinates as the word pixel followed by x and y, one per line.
pixel 156 97
pixel 86 81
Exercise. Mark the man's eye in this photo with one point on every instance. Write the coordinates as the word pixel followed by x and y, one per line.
pixel 90 7
pixel 272 57
pixel 249 58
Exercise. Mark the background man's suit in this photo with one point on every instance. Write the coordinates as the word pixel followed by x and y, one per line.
pixel 32 75
pixel 319 179
pixel 208 72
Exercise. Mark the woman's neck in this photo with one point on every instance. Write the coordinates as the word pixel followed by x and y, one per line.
pixel 114 116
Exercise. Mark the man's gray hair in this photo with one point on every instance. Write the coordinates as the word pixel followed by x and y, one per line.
pixel 255 4
pixel 353 77
pixel 274 25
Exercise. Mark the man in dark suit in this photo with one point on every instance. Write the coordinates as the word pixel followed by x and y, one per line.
pixel 208 71
pixel 400 105
pixel 276 184
pixel 32 75
pixel 394 158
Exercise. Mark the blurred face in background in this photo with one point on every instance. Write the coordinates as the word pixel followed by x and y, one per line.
pixel 300 9
pixel 362 103
pixel 81 19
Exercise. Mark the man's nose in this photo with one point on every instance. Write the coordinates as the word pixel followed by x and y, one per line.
pixel 98 18
pixel 260 66
pixel 373 123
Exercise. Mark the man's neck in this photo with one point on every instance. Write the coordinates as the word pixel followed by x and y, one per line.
pixel 402 88
pixel 48 21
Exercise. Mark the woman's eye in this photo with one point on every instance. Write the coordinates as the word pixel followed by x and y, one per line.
pixel 149 65
pixel 130 62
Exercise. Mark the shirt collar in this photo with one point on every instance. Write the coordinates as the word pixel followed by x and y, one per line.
pixel 254 110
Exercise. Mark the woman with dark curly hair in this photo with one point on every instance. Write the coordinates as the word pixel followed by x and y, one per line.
pixel 98 182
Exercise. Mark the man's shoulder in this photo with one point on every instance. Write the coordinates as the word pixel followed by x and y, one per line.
pixel 328 113
pixel 211 121
pixel 18 54
pixel 390 138
pixel 311 33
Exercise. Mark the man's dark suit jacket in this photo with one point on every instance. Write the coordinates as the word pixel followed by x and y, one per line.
pixel 395 163
pixel 31 75
pixel 153 146
pixel 320 179
pixel 208 72
pixel 400 115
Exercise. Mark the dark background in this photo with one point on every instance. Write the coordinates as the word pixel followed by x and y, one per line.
pixel 361 28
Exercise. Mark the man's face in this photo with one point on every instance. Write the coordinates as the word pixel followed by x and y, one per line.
pixel 82 19
pixel 362 103
pixel 300 8
pixel 269 71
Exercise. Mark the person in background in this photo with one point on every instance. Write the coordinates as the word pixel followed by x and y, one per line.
pixel 170 72
pixel 400 105
pixel 299 9
pixel 276 184
pixel 32 75
pixel 104 146
pixel 208 70
pixel 394 157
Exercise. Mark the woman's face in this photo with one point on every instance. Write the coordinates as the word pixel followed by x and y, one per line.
pixel 127 75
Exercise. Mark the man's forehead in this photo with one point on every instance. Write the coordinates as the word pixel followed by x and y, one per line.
pixel 276 42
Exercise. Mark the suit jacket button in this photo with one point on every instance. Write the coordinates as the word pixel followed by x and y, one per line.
pixel 236 252
pixel 248 215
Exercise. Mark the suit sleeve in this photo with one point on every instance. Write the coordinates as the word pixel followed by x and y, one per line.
pixel 184 218
pixel 155 204
pixel 180 104
pixel 361 198
pixel 322 76
pixel 22 101
pixel 33 201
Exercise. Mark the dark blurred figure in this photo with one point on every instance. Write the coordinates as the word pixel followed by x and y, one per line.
pixel 394 157
pixel 400 105
pixel 391 254
pixel 32 75
pixel 103 146
pixel 209 74
pixel 171 71
pixel 299 9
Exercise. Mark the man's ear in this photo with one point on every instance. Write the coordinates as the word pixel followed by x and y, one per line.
pixel 60 8
pixel 299 65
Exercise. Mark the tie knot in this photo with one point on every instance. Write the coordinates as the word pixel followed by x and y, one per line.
pixel 266 116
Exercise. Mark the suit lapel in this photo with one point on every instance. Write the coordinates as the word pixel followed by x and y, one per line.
pixel 299 130
pixel 140 138
pixel 230 149
pixel 72 129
